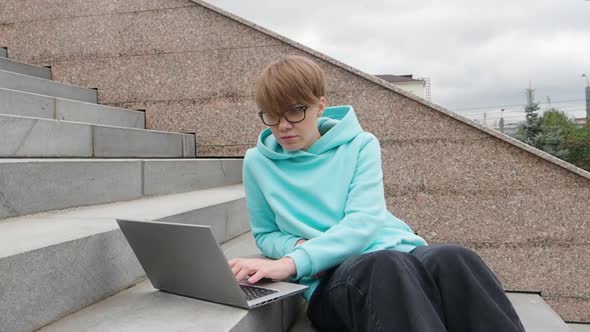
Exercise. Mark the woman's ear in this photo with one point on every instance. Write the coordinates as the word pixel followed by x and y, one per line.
pixel 323 103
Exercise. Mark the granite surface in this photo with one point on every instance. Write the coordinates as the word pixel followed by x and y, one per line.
pixel 500 216
pixel 225 150
pixel 212 72
pixel 558 271
pixel 536 266
pixel 383 113
pixel 474 164
pixel 215 121
pixel 177 30
pixel 36 10
pixel 571 309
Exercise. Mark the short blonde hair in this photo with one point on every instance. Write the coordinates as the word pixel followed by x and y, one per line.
pixel 292 79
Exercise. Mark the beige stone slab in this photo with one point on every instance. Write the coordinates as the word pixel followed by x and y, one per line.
pixel 553 269
pixel 515 216
pixel 230 120
pixel 390 115
pixel 558 271
pixel 210 73
pixel 175 30
pixel 6 36
pixel 222 150
pixel 18 10
pixel 571 309
pixel 486 164
pixel 215 120
pixel 176 76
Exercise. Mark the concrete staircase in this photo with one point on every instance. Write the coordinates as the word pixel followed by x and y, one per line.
pixel 68 167
pixel 64 263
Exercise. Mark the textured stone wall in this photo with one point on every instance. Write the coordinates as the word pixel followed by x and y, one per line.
pixel 192 69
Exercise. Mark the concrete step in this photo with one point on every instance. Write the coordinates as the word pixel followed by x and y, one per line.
pixel 40 106
pixel 43 138
pixel 35 185
pixel 536 315
pixel 534 312
pixel 14 81
pixel 118 313
pixel 143 308
pixel 3 52
pixel 56 263
pixel 24 68
pixel 176 313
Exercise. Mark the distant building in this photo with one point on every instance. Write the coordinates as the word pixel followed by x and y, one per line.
pixel 418 86
pixel 580 121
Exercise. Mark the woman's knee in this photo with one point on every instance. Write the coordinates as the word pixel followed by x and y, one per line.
pixel 381 263
pixel 383 258
pixel 452 252
pixel 449 257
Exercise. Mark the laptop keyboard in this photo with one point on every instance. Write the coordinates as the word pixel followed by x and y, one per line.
pixel 252 292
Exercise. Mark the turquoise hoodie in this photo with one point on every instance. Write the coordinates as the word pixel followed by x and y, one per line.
pixel 332 194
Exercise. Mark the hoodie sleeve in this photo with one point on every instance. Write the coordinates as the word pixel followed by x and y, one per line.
pixel 364 215
pixel 271 241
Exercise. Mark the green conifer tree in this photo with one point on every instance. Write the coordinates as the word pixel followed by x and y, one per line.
pixel 528 132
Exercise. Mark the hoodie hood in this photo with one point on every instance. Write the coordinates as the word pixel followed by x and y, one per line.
pixel 337 126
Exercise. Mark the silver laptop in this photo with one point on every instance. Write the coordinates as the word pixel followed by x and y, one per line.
pixel 185 259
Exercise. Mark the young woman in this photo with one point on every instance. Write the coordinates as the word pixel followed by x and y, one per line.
pixel 315 199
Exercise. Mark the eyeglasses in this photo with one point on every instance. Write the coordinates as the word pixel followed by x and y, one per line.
pixel 293 115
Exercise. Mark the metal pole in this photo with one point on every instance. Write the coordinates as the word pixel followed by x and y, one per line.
pixel 588 105
pixel 587 99
pixel 502 121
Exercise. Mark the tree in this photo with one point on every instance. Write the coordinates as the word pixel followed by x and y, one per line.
pixel 555 128
pixel 578 144
pixel 528 131
pixel 555 133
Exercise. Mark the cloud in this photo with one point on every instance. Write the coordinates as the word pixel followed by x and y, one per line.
pixel 475 52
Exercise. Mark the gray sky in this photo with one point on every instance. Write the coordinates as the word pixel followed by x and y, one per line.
pixel 479 55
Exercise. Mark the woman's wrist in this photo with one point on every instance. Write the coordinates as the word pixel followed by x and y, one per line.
pixel 290 265
pixel 300 242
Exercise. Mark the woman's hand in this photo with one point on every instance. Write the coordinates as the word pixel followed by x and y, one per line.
pixel 257 269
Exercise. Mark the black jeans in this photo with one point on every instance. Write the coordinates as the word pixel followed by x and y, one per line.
pixel 433 288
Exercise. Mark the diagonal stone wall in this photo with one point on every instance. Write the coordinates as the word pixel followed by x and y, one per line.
pixel 191 67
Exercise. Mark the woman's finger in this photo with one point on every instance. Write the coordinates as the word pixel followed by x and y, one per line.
pixel 232 262
pixel 243 273
pixel 256 277
pixel 235 269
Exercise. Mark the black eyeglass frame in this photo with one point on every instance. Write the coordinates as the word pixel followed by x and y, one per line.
pixel 302 108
